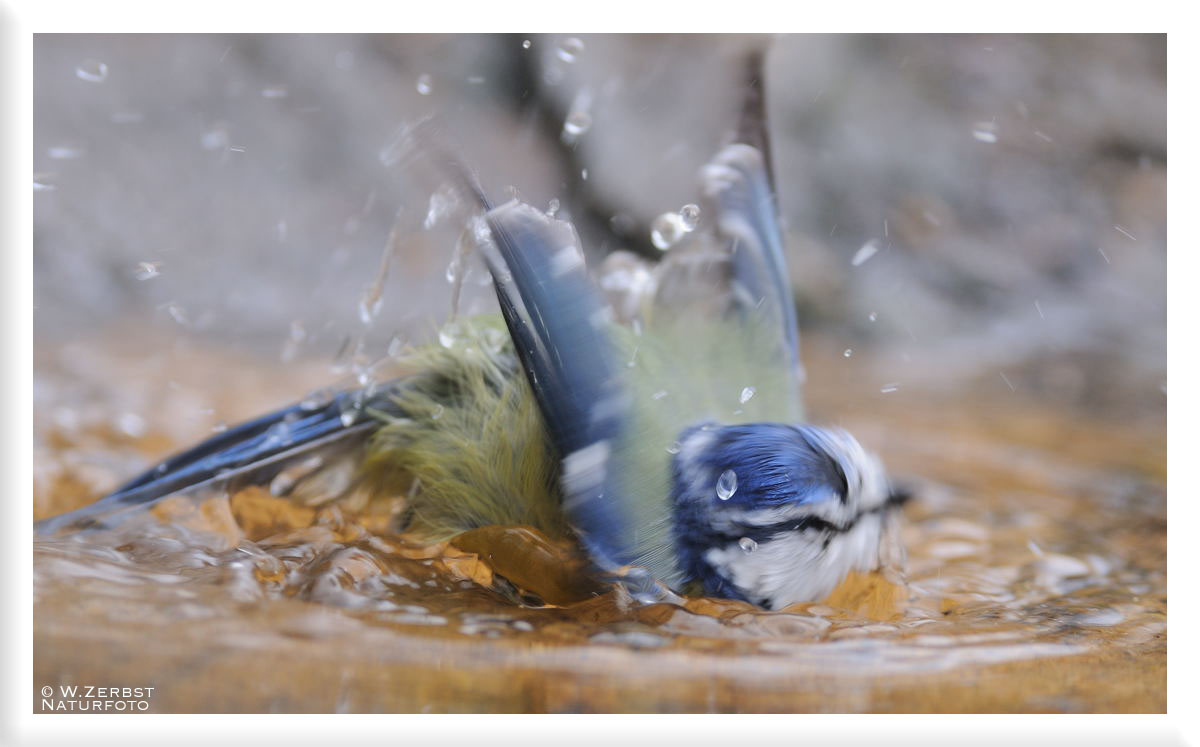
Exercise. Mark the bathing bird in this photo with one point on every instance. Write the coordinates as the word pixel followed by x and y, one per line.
pixel 654 414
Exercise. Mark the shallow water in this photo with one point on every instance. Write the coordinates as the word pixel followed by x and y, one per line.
pixel 1035 577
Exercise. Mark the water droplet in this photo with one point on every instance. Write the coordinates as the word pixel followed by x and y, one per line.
pixel 847 353
pixel 658 395
pixel 131 424
pixel 395 347
pixel 865 252
pixel 438 410
pixel 93 71
pixel 64 152
pixel 453 269
pixel 553 207
pixel 569 49
pixel 577 123
pixel 666 230
pixel 984 132
pixel 747 393
pixel 888 388
pixel 448 335
pixel 274 92
pixel 215 139
pixel 583 175
pixel 369 305
pixel 177 313
pixel 726 484
pixel 279 434
pixel 43 182
pixel 748 545
pixel 872 316
pixel 674 447
pixel 689 216
pixel 526 44
pixel 348 417
pixel 441 203
pixel 424 84
pixel 317 399
pixel 146 270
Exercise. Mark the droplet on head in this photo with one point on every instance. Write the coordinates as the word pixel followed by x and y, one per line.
pixel 726 484
pixel 748 545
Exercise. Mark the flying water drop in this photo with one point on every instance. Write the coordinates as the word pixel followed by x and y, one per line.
pixel 424 84
pixel 666 230
pixel 569 49
pixel 689 216
pixel 577 123
pixel 847 353
pixel 146 270
pixel 865 252
pixel 747 393
pixel 93 71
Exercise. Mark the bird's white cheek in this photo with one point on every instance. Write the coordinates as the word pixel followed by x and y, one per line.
pixel 799 566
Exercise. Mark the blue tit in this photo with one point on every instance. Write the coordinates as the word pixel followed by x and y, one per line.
pixel 673 446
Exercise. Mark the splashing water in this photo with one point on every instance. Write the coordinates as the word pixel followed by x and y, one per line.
pixel 689 216
pixel 569 49
pixel 93 71
pixel 666 231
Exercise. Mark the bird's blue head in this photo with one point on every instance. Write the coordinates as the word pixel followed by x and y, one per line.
pixel 775 514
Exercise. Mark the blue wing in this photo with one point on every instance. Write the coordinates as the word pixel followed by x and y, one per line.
pixel 559 325
pixel 739 184
pixel 251 452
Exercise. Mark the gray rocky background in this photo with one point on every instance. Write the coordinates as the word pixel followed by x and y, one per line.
pixel 1014 186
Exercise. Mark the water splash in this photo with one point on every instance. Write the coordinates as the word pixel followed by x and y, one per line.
pixel 93 71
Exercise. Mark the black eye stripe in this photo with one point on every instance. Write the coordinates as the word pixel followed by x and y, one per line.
pixel 767 532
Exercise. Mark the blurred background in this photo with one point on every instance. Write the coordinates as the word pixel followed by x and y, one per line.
pixel 972 214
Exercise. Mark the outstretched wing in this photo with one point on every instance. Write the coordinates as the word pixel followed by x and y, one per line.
pixel 559 325
pixel 253 452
